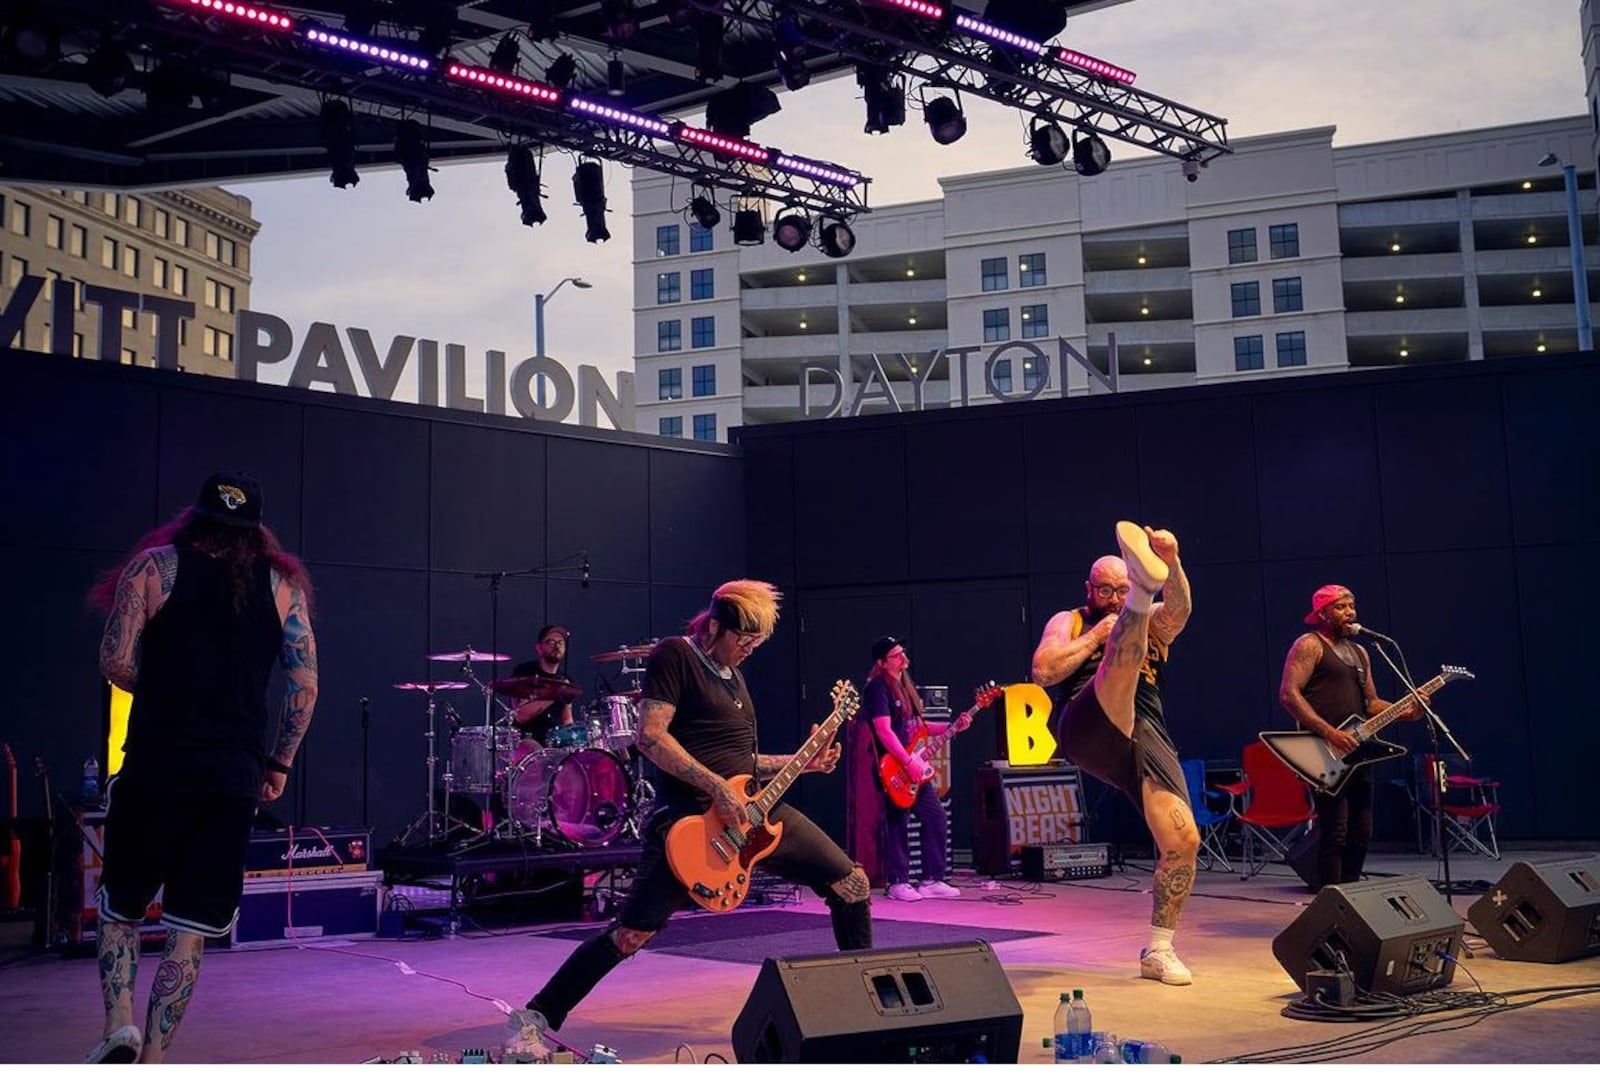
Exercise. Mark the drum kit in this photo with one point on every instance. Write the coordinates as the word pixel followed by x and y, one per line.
pixel 583 787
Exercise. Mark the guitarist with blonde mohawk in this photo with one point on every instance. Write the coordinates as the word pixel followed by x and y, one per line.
pixel 698 725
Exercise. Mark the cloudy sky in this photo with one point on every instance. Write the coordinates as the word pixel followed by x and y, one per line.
pixel 461 268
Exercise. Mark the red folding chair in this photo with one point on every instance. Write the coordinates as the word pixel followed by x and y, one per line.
pixel 1271 804
pixel 1469 805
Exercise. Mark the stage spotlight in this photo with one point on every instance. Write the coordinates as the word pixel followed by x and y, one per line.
pixel 885 98
pixel 705 212
pixel 505 56
pixel 411 149
pixel 336 126
pixel 616 76
pixel 946 122
pixel 522 176
pixel 1191 170
pixel 108 70
pixel 708 31
pixel 621 20
pixel 1090 154
pixel 589 188
pixel 733 111
pixel 789 53
pixel 837 239
pixel 1047 143
pixel 791 230
pixel 562 71
pixel 749 230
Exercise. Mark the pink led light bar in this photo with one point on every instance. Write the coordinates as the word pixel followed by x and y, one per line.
pixel 493 79
pixel 980 28
pixel 1073 58
pixel 723 143
pixel 636 120
pixel 370 49
pixel 920 7
pixel 247 12
pixel 821 171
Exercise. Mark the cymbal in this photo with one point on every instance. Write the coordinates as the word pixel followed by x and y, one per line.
pixel 470 656
pixel 624 653
pixel 430 686
pixel 536 687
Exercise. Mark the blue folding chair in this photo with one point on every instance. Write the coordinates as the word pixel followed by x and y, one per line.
pixel 1211 820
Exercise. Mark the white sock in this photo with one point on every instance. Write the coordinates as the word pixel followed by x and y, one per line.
pixel 1160 938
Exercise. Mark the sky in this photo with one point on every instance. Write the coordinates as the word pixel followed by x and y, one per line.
pixel 462 268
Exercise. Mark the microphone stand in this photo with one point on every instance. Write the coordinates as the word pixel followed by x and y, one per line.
pixel 364 727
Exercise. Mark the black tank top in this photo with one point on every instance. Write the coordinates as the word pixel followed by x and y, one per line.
pixel 1146 698
pixel 199 717
pixel 1336 690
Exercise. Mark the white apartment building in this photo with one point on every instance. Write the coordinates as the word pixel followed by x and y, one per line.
pixel 1289 256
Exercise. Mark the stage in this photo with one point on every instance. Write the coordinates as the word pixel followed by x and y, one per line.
pixel 344 1003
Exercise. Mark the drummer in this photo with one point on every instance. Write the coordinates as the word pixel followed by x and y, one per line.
pixel 535 718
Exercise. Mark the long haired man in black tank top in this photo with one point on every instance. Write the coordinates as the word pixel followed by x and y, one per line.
pixel 1326 679
pixel 198 616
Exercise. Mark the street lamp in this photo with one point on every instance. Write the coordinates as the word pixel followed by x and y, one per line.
pixel 1580 277
pixel 539 300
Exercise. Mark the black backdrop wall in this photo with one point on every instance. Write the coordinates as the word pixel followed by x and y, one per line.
pixel 1458 502
pixel 393 507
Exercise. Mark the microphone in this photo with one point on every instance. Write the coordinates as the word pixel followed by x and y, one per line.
pixel 585 582
pixel 1357 629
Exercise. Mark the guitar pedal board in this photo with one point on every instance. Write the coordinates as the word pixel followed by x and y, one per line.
pixel 1079 861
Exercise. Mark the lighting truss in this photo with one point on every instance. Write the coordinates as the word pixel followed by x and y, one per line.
pixel 937 45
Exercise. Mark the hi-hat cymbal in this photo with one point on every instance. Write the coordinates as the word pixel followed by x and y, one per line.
pixel 624 653
pixel 470 656
pixel 430 686
pixel 536 687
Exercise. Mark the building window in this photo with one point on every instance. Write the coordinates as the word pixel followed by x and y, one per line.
pixel 995 275
pixel 1036 320
pixel 666 240
pixel 78 241
pixel 669 384
pixel 1241 245
pixel 161 223
pixel 667 288
pixel 53 229
pixel 218 343
pixel 1284 241
pixel 130 211
pixel 219 295
pixel 130 319
pixel 1002 376
pixel 81 197
pixel 670 426
pixel 21 218
pixel 997 325
pixel 669 336
pixel 1030 270
pixel 180 232
pixel 130 357
pixel 77 346
pixel 699 238
pixel 108 253
pixel 223 250
pixel 130 261
pixel 1286 295
pixel 108 202
pixel 161 278
pixel 180 280
pixel 1292 349
pixel 1246 298
pixel 702 283
pixel 705 380
pixel 1248 354
pixel 703 333
pixel 1032 375
pixel 183 333
pixel 18 270
pixel 705 428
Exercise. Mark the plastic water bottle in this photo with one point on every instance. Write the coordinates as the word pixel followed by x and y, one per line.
pixel 91 779
pixel 1079 1025
pixel 1061 1023
pixel 1145 1052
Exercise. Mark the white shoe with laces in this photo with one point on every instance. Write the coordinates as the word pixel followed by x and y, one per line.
pixel 525 1030
pixel 1164 965
pixel 904 892
pixel 121 1045
pixel 938 889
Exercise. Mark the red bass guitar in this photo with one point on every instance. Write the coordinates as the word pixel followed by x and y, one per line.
pixel 11 846
pixel 898 784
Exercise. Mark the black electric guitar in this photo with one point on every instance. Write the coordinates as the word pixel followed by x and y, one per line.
pixel 1325 767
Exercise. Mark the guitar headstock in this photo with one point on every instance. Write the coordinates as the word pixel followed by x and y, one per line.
pixel 11 759
pixel 986 694
pixel 846 700
pixel 1456 673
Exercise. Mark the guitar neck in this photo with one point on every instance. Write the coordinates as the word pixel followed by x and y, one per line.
pixel 775 789
pixel 1383 718
pixel 932 745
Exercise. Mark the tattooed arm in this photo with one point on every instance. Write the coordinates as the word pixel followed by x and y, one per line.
pixel 299 661
pixel 1297 668
pixel 142 588
pixel 1059 653
pixel 667 752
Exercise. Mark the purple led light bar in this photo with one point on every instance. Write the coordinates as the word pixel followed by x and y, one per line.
pixel 831 173
pixel 247 12
pixel 371 50
pixel 620 116
pixel 1074 58
pixel 724 143
pixel 536 90
pixel 995 33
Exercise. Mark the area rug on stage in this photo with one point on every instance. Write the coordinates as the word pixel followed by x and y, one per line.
pixel 750 936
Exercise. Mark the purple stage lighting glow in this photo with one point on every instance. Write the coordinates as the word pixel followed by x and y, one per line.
pixel 1073 58
pixel 370 50
pixel 831 173
pixel 979 28
pixel 723 144
pixel 620 116
pixel 920 7
pixel 483 77
pixel 248 12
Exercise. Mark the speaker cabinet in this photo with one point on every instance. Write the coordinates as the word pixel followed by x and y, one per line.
pixel 1389 933
pixel 1025 806
pixel 945 1004
pixel 1548 912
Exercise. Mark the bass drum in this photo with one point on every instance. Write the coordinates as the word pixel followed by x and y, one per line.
pixel 585 797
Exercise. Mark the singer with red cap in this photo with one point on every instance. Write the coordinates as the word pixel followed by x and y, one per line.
pixel 1326 679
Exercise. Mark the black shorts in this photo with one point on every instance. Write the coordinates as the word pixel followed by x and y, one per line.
pixel 1092 741
pixel 191 844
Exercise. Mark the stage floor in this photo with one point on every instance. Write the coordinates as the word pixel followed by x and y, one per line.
pixel 346 1003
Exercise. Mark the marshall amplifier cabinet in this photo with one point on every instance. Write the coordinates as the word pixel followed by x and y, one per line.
pixel 1086 861
pixel 312 851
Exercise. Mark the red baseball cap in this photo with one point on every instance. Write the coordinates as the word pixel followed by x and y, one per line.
pixel 1324 596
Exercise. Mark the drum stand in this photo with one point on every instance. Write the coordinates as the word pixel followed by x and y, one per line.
pixel 433 825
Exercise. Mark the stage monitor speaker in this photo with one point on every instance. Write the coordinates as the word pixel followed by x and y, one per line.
pixel 1547 912
pixel 1389 933
pixel 943 1004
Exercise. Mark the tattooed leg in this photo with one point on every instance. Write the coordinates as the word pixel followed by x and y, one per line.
pixel 629 940
pixel 1172 826
pixel 118 946
pixel 1117 679
pixel 171 991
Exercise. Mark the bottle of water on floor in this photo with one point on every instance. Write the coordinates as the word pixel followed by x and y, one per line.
pixel 1063 1035
pixel 1145 1052
pixel 1079 1025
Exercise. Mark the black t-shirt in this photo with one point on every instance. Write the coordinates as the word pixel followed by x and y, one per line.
pixel 879 699
pixel 540 725
pixel 714 718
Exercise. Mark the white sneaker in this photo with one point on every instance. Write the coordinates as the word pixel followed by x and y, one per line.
pixel 1146 569
pixel 524 1042
pixel 938 889
pixel 1164 965
pixel 904 892
pixel 120 1046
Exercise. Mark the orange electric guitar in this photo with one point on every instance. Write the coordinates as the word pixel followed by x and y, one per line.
pixel 713 859
pixel 11 846
pixel 898 785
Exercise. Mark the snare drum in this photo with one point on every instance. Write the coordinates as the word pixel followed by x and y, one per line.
pixel 583 796
pixel 620 720
pixel 470 757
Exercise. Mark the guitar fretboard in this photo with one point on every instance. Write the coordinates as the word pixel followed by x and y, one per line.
pixel 1383 718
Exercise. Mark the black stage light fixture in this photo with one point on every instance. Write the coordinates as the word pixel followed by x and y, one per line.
pixel 1090 154
pixel 749 230
pixel 438 34
pixel 108 70
pixel 733 111
pixel 622 22
pixel 836 238
pixel 411 149
pixel 1047 143
pixel 1040 20
pixel 336 126
pixel 705 212
pixel 616 76
pixel 505 56
pixel 885 99
pixel 589 188
pixel 946 122
pixel 791 229
pixel 708 33
pixel 789 53
pixel 562 71
pixel 522 176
